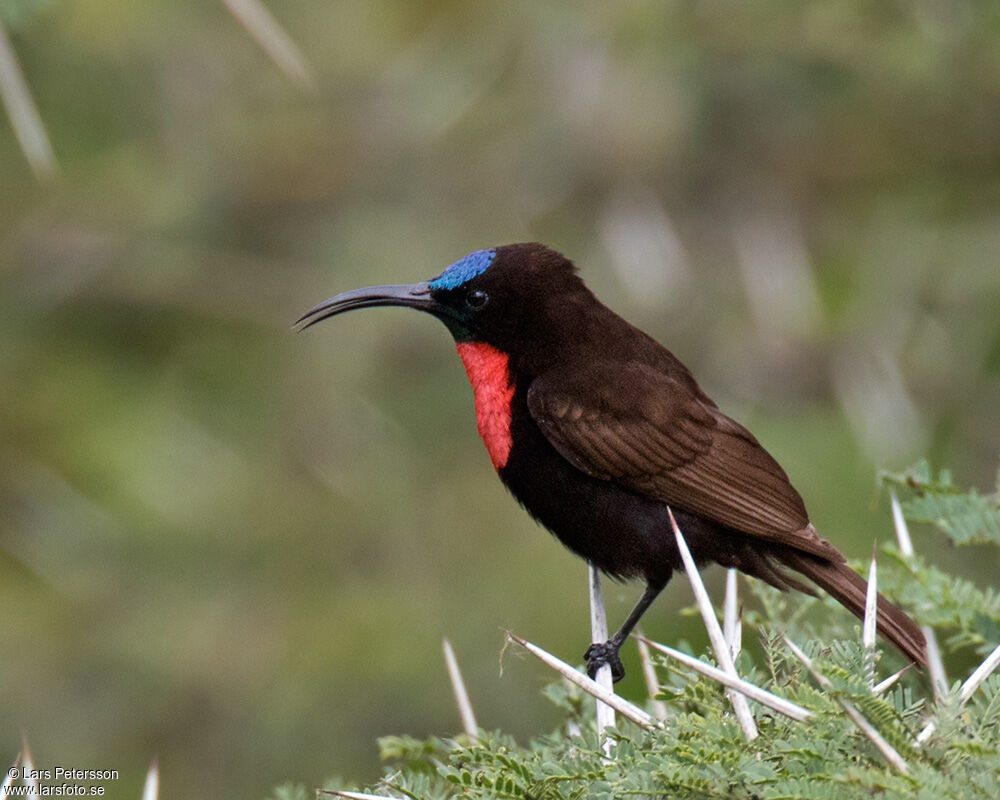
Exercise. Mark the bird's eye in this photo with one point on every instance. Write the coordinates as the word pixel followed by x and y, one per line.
pixel 476 299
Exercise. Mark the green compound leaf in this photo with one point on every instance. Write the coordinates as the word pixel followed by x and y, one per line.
pixel 966 517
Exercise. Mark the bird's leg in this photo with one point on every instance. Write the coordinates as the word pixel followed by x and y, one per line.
pixel 601 653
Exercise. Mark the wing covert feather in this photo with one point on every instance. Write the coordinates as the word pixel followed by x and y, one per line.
pixel 632 424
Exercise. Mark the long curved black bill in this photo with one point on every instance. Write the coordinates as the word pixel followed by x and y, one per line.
pixel 412 295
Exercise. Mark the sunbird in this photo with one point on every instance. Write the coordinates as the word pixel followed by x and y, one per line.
pixel 597 430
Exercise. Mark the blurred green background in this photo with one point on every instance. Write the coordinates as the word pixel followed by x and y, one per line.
pixel 237 548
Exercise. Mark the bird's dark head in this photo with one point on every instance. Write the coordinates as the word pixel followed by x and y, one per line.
pixel 500 296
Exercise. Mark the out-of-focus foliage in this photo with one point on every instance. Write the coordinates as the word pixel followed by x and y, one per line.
pixel 966 517
pixel 701 752
pixel 20 12
pixel 969 615
pixel 236 547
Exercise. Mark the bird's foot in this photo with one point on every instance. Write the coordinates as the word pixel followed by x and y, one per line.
pixel 601 653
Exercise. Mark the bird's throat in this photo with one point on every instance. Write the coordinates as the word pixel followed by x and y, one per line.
pixel 492 391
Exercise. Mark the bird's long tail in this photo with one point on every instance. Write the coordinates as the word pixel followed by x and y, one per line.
pixel 849 589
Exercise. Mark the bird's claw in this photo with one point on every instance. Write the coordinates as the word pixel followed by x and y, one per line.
pixel 601 653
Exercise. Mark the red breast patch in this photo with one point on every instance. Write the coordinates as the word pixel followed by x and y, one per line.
pixel 492 391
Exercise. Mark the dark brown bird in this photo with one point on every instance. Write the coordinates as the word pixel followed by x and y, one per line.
pixel 597 429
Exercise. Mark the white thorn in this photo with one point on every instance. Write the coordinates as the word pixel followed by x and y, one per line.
pixel 458 689
pixel 23 113
pixel 880 688
pixel 927 732
pixel 979 674
pixel 9 779
pixel 899 522
pixel 599 633
pixel 762 696
pixel 719 646
pixel 29 773
pixel 273 40
pixel 649 676
pixel 151 788
pixel 731 621
pixel 935 664
pixel 876 738
pixel 620 704
pixel 868 626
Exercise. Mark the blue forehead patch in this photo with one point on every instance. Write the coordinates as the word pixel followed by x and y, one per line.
pixel 464 269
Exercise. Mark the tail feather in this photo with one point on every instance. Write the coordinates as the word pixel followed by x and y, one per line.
pixel 849 589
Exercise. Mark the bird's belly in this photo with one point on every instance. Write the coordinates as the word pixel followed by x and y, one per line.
pixel 620 532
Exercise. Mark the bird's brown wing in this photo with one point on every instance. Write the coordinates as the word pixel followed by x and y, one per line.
pixel 632 424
